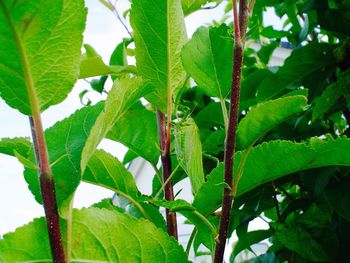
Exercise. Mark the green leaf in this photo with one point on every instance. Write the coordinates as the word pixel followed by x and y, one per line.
pixel 190 6
pixel 331 95
pixel 250 239
pixel 210 116
pixel 270 32
pixel 20 145
pixel 141 139
pixel 99 235
pixel 339 197
pixel 65 142
pixel 159 34
pixel 40 51
pixel 271 161
pixel 119 55
pixel 125 92
pixel 206 231
pixel 188 148
pixel 203 58
pixel 296 238
pixel 92 65
pixel 301 63
pixel 266 116
pixel 105 170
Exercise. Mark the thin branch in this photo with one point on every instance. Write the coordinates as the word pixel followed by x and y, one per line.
pixel 47 189
pixel 115 11
pixel 230 144
pixel 164 138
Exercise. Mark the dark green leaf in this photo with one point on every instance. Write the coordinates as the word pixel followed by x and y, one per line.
pixel 301 63
pixel 250 239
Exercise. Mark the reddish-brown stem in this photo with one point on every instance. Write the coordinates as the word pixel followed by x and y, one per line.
pixel 164 139
pixel 47 189
pixel 230 143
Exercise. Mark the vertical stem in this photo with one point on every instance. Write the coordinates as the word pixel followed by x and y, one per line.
pixel 47 189
pixel 228 194
pixel 164 139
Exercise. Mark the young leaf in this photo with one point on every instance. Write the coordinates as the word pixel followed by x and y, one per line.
pixel 105 170
pixel 266 116
pixel 301 63
pixel 39 58
pixel 99 235
pixel 271 161
pixel 141 139
pixel 159 34
pixel 125 92
pixel 65 142
pixel 203 58
pixel 92 65
pixel 20 145
pixel 189 152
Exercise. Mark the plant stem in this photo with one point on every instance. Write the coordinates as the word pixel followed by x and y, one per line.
pixel 47 189
pixel 232 125
pixel 164 139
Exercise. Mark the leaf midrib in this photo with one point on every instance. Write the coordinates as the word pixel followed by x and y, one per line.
pixel 33 101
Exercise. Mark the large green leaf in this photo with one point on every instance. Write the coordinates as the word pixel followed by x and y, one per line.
pixel 207 57
pixel 141 139
pixel 303 62
pixel 65 142
pixel 20 145
pixel 125 92
pixel 40 51
pixel 188 148
pixel 99 235
pixel 159 34
pixel 270 161
pixel 105 170
pixel 266 116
